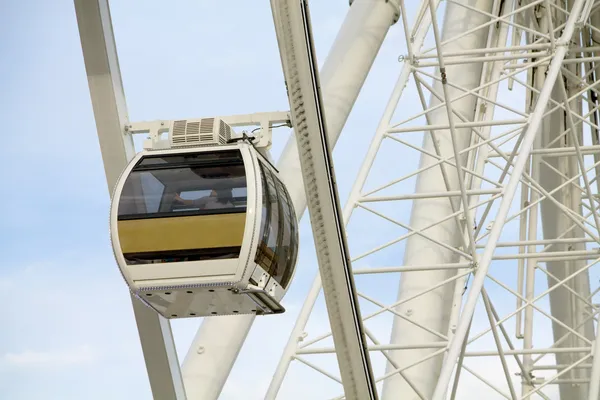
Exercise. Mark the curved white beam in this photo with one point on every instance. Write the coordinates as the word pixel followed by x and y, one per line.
pixel 110 112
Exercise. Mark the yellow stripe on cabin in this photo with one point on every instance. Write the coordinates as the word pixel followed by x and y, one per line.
pixel 181 233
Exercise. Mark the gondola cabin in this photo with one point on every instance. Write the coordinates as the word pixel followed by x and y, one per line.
pixel 204 231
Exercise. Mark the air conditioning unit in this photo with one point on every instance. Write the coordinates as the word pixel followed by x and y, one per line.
pixel 199 132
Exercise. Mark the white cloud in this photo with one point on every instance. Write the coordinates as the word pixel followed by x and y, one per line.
pixel 75 356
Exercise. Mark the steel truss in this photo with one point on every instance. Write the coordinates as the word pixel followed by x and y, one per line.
pixel 500 250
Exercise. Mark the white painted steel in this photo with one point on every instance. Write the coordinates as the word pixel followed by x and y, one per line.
pixel 594 388
pixel 206 350
pixel 295 338
pixel 507 154
pixel 433 309
pixel 342 76
pixel 110 112
pixel 106 86
pixel 294 34
pixel 564 305
pixel 510 189
pixel 160 355
pixel 532 229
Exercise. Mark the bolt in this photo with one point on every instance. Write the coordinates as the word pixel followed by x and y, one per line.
pixel 200 350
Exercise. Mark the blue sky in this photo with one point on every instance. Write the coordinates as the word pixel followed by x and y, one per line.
pixel 68 330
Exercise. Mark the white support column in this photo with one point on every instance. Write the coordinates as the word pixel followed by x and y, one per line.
pixel 594 393
pixel 538 79
pixel 342 76
pixel 110 112
pixel 106 87
pixel 162 363
pixel 433 309
pixel 563 304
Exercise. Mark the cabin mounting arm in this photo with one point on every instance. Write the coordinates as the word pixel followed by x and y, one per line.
pixel 261 136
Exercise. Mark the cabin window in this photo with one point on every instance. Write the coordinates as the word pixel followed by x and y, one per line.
pixel 278 238
pixel 289 241
pixel 166 186
pixel 154 191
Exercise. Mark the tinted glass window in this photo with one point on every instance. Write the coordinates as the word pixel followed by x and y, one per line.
pixel 153 189
pixel 191 184
pixel 279 241
pixel 207 158
pixel 264 256
pixel 289 241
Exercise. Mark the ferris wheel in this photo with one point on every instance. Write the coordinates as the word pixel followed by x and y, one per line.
pixel 488 285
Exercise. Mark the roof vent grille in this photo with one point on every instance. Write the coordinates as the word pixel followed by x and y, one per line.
pixel 199 132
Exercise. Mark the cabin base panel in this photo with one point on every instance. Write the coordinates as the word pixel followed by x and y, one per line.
pixel 209 302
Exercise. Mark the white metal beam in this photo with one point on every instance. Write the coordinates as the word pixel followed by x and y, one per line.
pixel 342 77
pixel 106 87
pixel 160 355
pixel 594 389
pixel 292 24
pixel 110 112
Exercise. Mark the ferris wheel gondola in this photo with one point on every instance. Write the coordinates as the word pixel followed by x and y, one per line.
pixel 204 231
